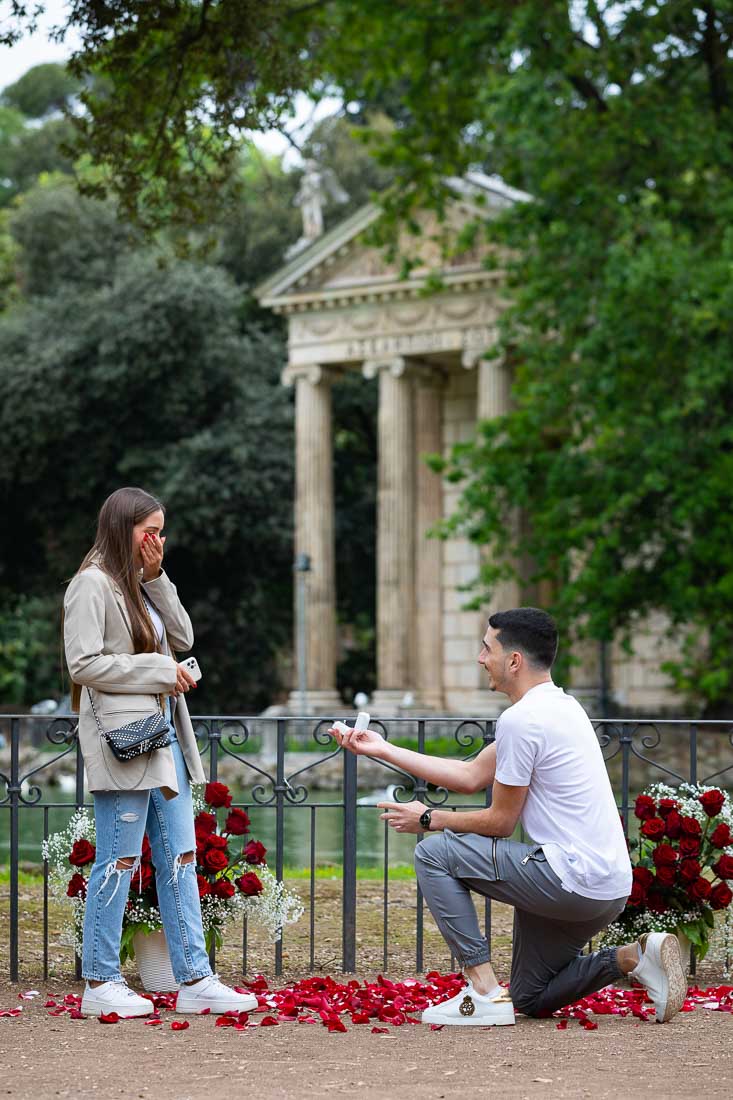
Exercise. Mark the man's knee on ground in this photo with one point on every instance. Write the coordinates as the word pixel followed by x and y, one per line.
pixel 526 1001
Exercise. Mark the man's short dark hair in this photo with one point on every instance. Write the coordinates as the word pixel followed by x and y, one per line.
pixel 530 630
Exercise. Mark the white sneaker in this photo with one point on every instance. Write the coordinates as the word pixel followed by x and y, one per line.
pixel 212 994
pixel 114 997
pixel 660 971
pixel 470 1007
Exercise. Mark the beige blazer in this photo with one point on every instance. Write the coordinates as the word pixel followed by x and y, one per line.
pixel 125 685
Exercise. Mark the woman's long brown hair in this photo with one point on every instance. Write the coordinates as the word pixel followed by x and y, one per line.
pixel 112 552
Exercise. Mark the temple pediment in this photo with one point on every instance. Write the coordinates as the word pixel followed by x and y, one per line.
pixel 342 266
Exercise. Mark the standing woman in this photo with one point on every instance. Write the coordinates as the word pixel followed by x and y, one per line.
pixel 122 621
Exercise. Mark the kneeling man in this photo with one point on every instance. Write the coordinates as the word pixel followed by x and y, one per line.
pixel 546 770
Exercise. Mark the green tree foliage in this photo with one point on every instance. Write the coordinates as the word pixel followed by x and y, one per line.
pixel 64 238
pixel 148 378
pixel 617 119
pixel 41 91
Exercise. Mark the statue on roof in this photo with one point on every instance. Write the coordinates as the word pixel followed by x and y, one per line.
pixel 317 186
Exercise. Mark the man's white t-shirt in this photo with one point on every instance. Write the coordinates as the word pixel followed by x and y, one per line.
pixel 546 742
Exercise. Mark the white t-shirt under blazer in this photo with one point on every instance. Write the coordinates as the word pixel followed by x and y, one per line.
pixel 546 742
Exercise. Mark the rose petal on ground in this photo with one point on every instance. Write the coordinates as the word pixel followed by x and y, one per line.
pixel 109 1018
pixel 380 1031
pixel 268 1021
pixel 179 1025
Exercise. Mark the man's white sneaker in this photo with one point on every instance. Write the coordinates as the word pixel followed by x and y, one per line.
pixel 471 1008
pixel 114 997
pixel 212 994
pixel 660 971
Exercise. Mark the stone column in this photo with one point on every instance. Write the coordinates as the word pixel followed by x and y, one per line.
pixel 314 536
pixel 493 398
pixel 395 534
pixel 428 551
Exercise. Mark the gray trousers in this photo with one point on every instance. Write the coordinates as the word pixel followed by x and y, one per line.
pixel 551 925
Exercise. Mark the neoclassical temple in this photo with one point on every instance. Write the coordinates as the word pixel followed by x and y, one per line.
pixel 349 310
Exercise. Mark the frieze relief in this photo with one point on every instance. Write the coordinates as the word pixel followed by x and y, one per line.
pixel 425 324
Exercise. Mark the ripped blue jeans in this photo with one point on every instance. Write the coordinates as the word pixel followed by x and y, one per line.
pixel 122 818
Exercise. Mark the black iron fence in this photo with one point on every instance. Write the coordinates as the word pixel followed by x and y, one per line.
pixel 288 773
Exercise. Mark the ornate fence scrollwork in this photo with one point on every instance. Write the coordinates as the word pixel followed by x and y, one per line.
pixel 276 779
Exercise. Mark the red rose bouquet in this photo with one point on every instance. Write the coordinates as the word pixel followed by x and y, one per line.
pixel 231 871
pixel 682 865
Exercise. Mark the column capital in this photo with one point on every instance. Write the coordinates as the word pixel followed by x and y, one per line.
pixel 396 366
pixel 400 366
pixel 311 372
pixel 474 357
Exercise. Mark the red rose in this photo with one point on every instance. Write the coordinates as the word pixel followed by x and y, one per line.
pixel 720 836
pixel 720 896
pixel 142 878
pixel 82 853
pixel 664 855
pixel 216 841
pixel 214 859
pixel 666 805
pixel 653 827
pixel 690 870
pixel 691 826
pixel 147 851
pixel 77 887
pixel 712 802
pixel 249 884
pixel 666 875
pixel 643 876
pixel 637 895
pixel 673 823
pixel 656 902
pixel 645 807
pixel 204 823
pixel 724 867
pixel 689 846
pixel 217 794
pixel 203 885
pixel 255 852
pixel 222 888
pixel 237 822
pixel 700 889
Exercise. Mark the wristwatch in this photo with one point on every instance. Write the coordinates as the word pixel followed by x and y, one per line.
pixel 425 820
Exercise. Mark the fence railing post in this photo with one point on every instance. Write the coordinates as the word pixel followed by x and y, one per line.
pixel 79 801
pixel 280 788
pixel 14 793
pixel 348 937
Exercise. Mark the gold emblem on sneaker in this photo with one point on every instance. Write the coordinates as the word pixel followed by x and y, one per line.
pixel 467 1007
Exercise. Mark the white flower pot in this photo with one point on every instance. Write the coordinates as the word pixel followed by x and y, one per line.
pixel 685 946
pixel 154 962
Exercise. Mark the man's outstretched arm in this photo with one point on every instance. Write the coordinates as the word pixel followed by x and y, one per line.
pixel 461 776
